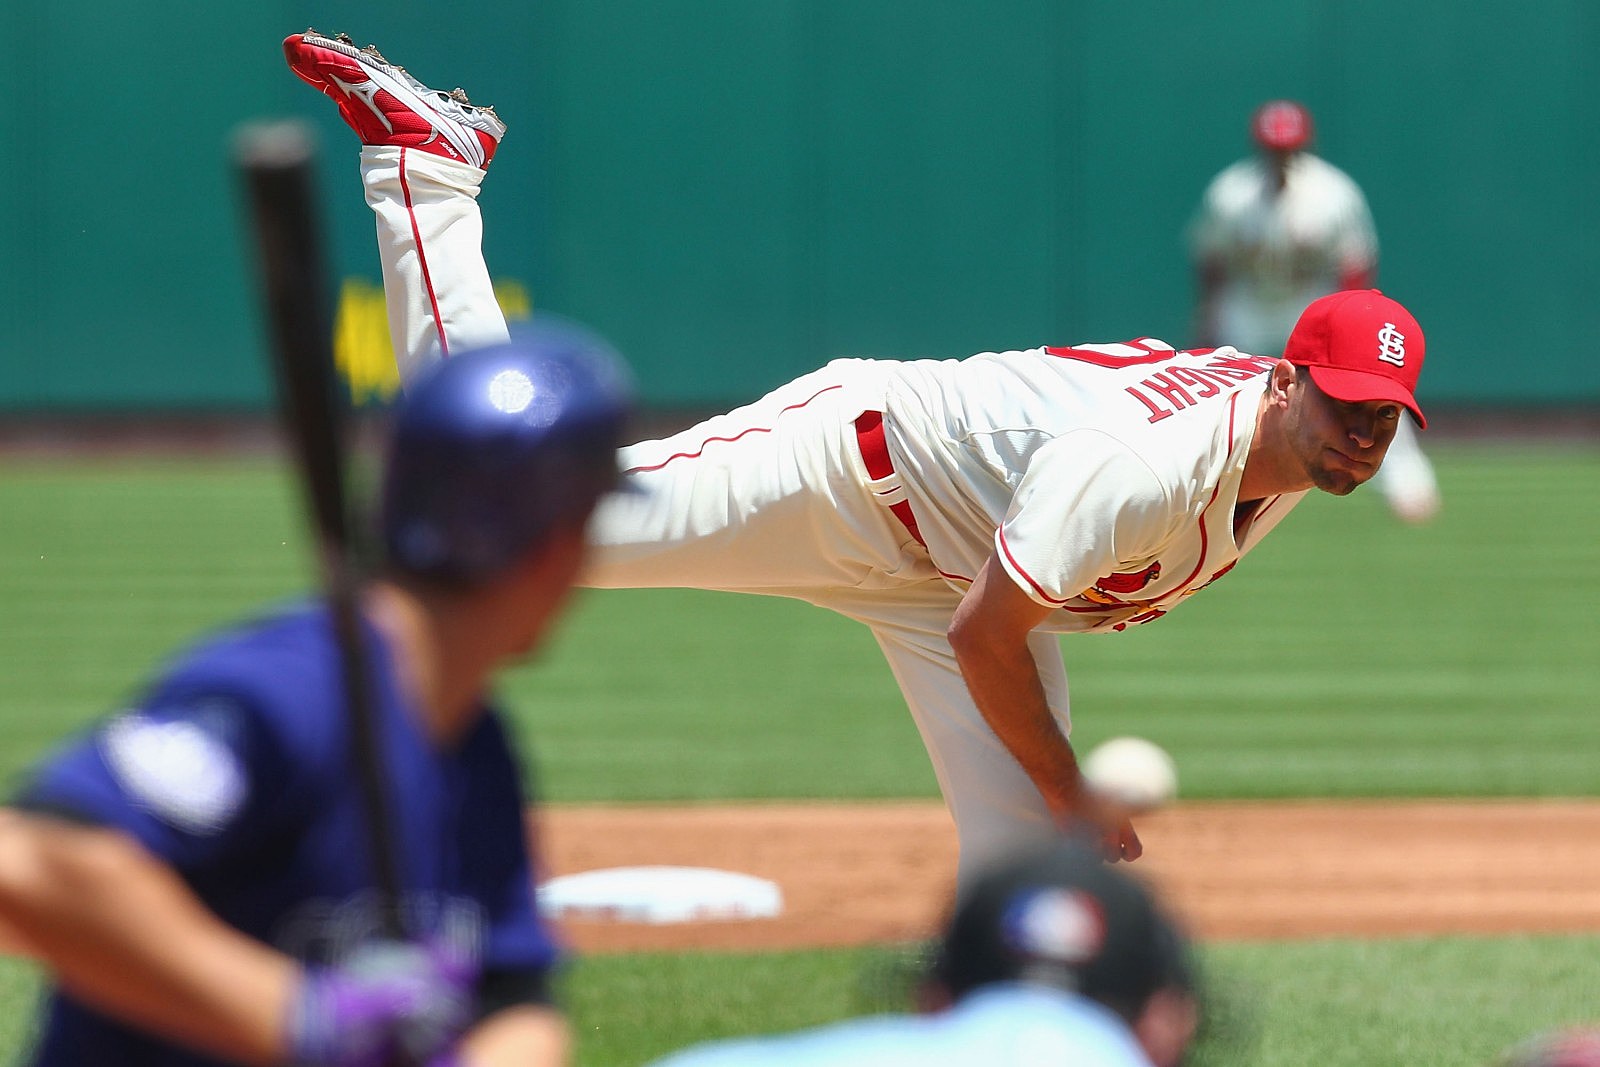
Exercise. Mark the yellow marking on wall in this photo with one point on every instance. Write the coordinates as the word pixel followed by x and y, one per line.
pixel 516 304
pixel 362 350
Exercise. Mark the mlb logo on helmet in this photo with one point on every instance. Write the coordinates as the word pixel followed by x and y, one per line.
pixel 1360 346
pixel 1056 924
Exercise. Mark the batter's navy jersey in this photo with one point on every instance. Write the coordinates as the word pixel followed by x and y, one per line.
pixel 235 769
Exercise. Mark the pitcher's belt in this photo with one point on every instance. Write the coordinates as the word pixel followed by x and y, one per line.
pixel 875 454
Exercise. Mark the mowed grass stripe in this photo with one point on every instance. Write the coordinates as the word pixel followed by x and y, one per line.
pixel 1348 655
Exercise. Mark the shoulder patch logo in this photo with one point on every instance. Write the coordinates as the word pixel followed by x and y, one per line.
pixel 184 775
pixel 1392 345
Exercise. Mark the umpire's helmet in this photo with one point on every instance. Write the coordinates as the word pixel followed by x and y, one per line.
pixel 491 449
pixel 1054 914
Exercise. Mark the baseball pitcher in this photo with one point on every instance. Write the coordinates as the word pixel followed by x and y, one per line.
pixel 966 511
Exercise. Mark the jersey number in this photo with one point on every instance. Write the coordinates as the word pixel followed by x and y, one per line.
pixel 1122 354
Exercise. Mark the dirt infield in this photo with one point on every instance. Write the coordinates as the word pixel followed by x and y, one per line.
pixel 854 874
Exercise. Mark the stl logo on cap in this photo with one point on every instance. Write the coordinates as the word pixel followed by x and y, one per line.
pixel 1392 345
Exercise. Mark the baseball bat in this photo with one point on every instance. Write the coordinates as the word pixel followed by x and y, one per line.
pixel 276 162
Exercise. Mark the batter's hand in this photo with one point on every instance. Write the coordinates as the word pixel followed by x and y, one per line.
pixel 391 1002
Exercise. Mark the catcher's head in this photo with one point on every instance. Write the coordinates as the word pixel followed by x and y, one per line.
pixel 1058 916
pixel 492 449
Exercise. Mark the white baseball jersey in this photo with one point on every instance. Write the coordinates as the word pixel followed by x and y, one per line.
pixel 1105 476
pixel 1280 252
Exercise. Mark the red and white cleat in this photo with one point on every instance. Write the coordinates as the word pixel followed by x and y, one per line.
pixel 387 106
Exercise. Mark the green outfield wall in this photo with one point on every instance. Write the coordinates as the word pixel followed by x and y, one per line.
pixel 737 190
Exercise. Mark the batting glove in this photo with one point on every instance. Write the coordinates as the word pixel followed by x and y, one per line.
pixel 390 1003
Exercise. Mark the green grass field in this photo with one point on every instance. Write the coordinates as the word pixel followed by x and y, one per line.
pixel 1349 656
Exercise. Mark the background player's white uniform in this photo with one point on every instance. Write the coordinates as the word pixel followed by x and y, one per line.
pixel 1106 477
pixel 1278 250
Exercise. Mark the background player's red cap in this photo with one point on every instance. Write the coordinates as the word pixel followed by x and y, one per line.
pixel 1282 126
pixel 1360 345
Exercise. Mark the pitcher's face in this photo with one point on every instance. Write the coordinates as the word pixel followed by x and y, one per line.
pixel 1339 443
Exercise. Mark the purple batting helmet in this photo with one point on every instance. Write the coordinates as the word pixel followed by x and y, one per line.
pixel 492 449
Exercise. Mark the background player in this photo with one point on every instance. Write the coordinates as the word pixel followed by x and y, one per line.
pixel 194 871
pixel 966 511
pixel 1052 957
pixel 1275 231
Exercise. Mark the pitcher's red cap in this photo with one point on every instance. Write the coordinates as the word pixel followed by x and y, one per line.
pixel 1281 125
pixel 1360 346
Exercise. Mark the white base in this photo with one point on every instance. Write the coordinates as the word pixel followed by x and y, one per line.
pixel 660 895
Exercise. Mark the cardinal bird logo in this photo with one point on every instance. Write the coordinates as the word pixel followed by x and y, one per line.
pixel 1129 582
pixel 1113 589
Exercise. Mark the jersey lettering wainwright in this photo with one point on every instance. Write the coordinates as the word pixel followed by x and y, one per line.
pixel 1172 388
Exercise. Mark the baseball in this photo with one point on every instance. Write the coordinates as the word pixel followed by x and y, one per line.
pixel 1133 773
